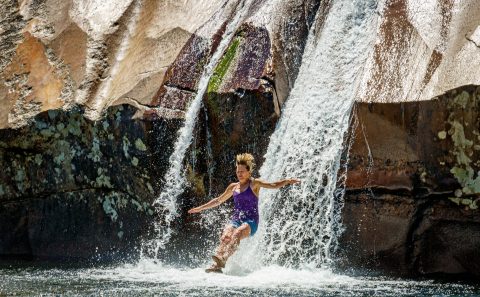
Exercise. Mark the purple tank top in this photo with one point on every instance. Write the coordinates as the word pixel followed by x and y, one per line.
pixel 246 205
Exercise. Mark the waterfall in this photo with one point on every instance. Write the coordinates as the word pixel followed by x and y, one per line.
pixel 166 203
pixel 299 225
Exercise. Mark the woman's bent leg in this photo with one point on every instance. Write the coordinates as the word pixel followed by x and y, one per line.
pixel 225 238
pixel 240 233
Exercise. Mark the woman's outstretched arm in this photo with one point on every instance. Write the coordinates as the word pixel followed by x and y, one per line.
pixel 276 185
pixel 215 201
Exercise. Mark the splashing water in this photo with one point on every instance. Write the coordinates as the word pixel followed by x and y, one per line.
pixel 150 279
pixel 299 225
pixel 166 203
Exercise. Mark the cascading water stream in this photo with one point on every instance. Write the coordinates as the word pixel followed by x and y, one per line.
pixel 299 225
pixel 166 203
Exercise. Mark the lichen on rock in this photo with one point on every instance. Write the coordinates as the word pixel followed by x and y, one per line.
pixel 463 116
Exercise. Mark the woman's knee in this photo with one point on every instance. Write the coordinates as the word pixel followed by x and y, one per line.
pixel 240 233
pixel 243 231
pixel 226 235
pixel 225 238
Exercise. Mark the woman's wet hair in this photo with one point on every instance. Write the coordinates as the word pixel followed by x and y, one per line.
pixel 247 160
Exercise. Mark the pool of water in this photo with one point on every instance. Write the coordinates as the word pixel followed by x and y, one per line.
pixel 147 278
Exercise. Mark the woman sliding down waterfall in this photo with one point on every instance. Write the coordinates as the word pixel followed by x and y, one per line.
pixel 244 221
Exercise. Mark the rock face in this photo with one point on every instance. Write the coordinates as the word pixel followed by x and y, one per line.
pixel 90 53
pixel 411 206
pixel 73 188
pixel 423 49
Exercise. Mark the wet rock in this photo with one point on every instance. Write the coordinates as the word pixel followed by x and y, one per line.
pixel 412 186
pixel 404 236
pixel 73 188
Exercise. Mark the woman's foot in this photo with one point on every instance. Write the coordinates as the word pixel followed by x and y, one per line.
pixel 214 268
pixel 219 261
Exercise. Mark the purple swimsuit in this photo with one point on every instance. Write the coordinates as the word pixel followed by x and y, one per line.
pixel 246 209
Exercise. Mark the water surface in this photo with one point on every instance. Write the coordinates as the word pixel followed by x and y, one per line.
pixel 147 278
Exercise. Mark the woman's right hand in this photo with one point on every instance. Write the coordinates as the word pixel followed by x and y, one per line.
pixel 293 181
pixel 195 210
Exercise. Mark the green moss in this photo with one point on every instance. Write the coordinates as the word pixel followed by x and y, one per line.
pixel 137 204
pixel 140 145
pixel 470 203
pixel 38 159
pixel 134 161
pixel 102 180
pixel 59 158
pixel 462 99
pixel 95 154
pixel 150 188
pixel 458 135
pixel 41 125
pixel 118 118
pixel 126 144
pixel 109 208
pixel 73 127
pixel 47 132
pixel 442 135
pixel 463 148
pixel 105 125
pixel 19 175
pixel 52 114
pixel 222 66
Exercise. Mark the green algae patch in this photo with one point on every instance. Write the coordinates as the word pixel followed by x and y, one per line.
pixel 470 203
pixel 462 99
pixel 463 119
pixel 134 161
pixel 95 154
pixel 109 208
pixel 38 159
pixel 125 144
pixel 140 145
pixel 102 180
pixel 442 135
pixel 222 66
pixel 150 188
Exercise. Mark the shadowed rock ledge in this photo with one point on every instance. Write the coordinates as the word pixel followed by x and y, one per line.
pixel 412 196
